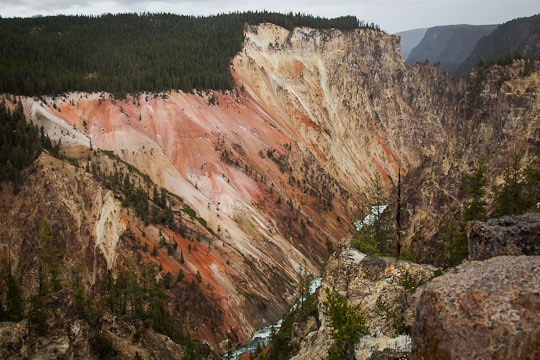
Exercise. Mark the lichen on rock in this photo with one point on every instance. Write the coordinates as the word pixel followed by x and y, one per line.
pixel 481 310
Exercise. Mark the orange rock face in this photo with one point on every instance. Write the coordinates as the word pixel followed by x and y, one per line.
pixel 232 163
pixel 277 167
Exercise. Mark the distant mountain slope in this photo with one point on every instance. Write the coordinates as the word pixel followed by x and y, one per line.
pixel 519 36
pixel 450 45
pixel 409 40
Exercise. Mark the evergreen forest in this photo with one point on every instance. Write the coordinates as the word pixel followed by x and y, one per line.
pixel 131 53
pixel 20 144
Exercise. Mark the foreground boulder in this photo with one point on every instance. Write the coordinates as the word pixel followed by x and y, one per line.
pixel 482 310
pixel 509 235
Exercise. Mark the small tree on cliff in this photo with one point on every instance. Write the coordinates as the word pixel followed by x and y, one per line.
pixel 398 213
pixel 14 299
pixel 511 196
pixel 348 324
pixel 474 185
pixel 303 282
pixel 50 257
pixel 451 247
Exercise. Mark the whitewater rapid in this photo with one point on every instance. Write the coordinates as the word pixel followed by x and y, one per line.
pixel 262 337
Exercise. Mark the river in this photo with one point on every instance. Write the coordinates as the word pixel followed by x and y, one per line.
pixel 261 338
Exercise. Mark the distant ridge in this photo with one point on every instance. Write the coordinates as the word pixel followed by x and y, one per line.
pixel 516 38
pixel 409 40
pixel 449 45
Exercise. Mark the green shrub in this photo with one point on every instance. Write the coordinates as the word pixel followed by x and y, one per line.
pixel 348 324
pixel 102 346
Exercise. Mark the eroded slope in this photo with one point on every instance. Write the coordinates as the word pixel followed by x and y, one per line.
pixel 275 170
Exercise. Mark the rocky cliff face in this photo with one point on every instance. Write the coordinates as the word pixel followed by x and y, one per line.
pixel 479 310
pixel 93 233
pixel 348 98
pixel 384 287
pixel 500 106
pixel 268 173
pixel 71 337
pixel 485 309
pixel 511 235
pixel 387 291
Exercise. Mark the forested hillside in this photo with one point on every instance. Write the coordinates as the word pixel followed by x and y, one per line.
pixel 20 143
pixel 518 38
pixel 130 53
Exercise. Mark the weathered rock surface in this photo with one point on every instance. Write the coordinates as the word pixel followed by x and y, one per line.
pixel 510 235
pixel 386 288
pixel 387 291
pixel 389 354
pixel 12 339
pixel 482 310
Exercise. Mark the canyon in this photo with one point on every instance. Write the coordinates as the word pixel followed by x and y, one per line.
pixel 266 178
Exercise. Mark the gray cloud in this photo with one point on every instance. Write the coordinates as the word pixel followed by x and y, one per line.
pixel 391 15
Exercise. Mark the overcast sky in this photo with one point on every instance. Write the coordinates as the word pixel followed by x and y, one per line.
pixel 391 15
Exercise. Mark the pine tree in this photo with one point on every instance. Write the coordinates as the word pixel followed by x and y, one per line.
pixel 3 315
pixel 50 256
pixel 348 324
pixel 14 299
pixel 39 314
pixel 303 281
pixel 80 297
pixel 510 196
pixel 108 292
pixel 475 192
pixel 532 181
pixel 180 275
pixel 452 244
pixel 398 213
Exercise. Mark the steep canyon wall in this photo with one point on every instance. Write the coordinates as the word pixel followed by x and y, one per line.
pixel 278 167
